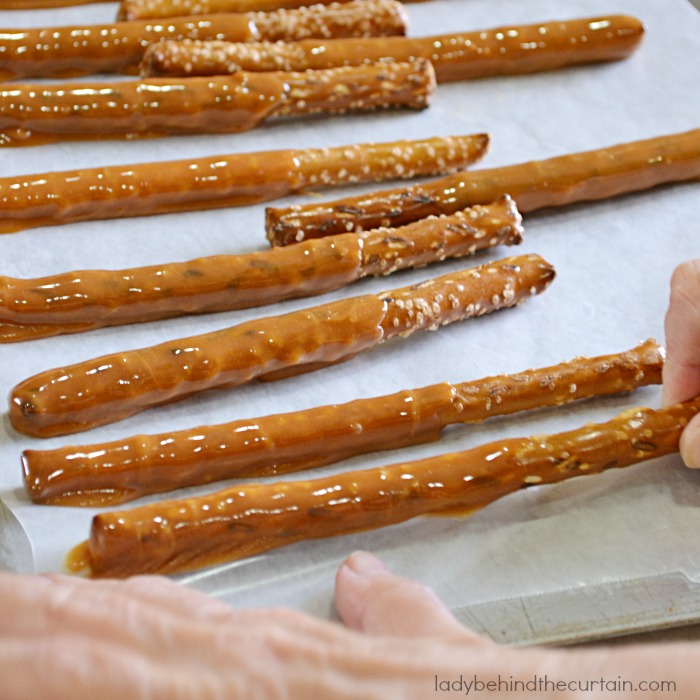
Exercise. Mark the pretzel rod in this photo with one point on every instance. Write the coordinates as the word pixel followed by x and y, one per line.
pixel 120 471
pixel 231 180
pixel 118 47
pixel 113 387
pixel 141 9
pixel 578 177
pixel 83 300
pixel 219 104
pixel 41 4
pixel 238 522
pixel 509 50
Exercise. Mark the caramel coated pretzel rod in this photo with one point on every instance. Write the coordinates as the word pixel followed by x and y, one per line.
pixel 229 180
pixel 509 50
pixel 122 470
pixel 238 522
pixel 83 300
pixel 42 4
pixel 142 9
pixel 219 104
pixel 577 177
pixel 118 47
pixel 110 388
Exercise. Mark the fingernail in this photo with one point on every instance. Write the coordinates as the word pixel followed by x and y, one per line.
pixel 365 564
pixel 690 448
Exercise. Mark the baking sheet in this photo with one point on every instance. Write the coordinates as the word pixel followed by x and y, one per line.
pixel 547 564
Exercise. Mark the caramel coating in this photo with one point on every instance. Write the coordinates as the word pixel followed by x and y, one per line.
pixel 219 104
pixel 53 198
pixel 109 388
pixel 71 51
pixel 244 520
pixel 42 4
pixel 508 50
pixel 577 177
pixel 135 9
pixel 83 300
pixel 120 471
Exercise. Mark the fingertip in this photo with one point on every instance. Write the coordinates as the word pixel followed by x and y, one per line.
pixel 365 563
pixel 371 599
pixel 690 443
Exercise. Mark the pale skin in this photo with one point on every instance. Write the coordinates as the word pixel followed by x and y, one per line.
pixel 68 638
pixel 681 376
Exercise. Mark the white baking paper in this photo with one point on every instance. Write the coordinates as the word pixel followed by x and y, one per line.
pixel 614 260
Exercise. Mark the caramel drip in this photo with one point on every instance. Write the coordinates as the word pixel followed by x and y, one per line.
pixel 83 300
pixel 577 177
pixel 89 194
pixel 120 471
pixel 219 104
pixel 507 50
pixel 238 522
pixel 113 387
pixel 134 9
pixel 71 51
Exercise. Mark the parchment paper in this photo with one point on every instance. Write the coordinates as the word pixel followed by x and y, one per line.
pixel 614 260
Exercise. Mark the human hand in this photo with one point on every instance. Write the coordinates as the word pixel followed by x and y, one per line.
pixel 148 637
pixel 681 375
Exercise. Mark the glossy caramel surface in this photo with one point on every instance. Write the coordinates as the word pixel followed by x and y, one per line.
pixel 83 300
pixel 218 104
pixel 132 9
pixel 577 177
pixel 226 180
pixel 122 470
pixel 506 50
pixel 245 520
pixel 75 50
pixel 109 388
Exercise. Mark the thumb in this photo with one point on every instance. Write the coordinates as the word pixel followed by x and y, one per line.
pixel 369 598
pixel 690 443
